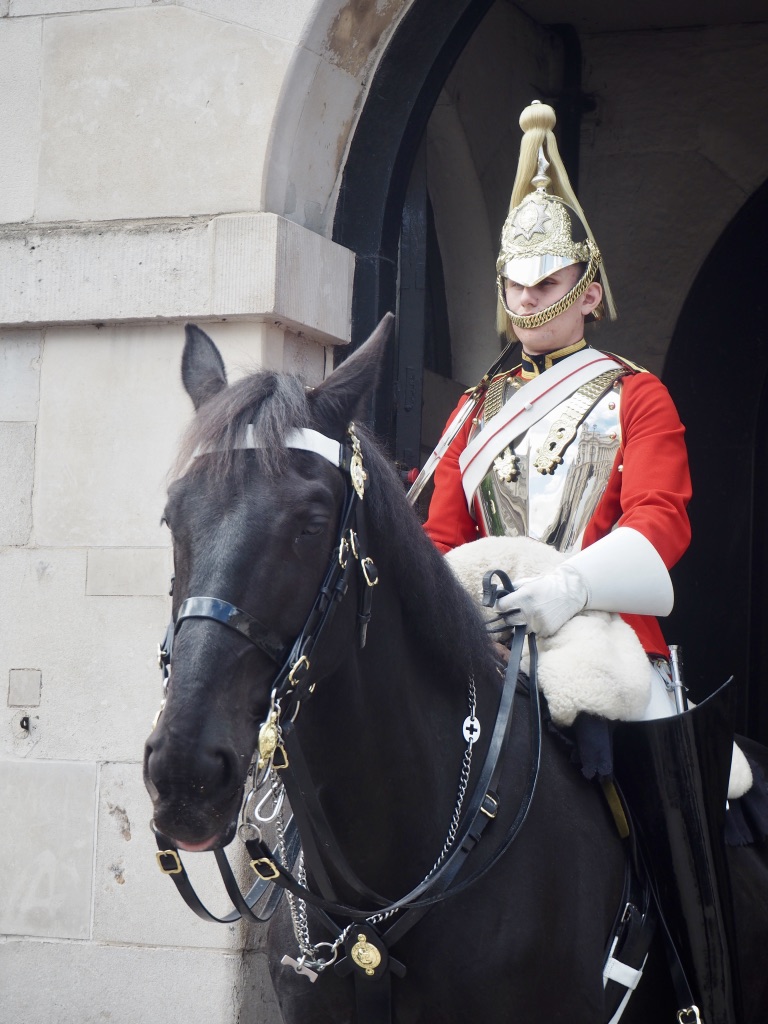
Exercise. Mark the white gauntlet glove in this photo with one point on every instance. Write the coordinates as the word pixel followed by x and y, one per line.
pixel 545 603
pixel 622 572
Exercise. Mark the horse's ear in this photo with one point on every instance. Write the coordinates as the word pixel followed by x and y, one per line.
pixel 346 394
pixel 202 368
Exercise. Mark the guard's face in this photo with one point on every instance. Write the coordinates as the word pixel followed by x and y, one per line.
pixel 563 330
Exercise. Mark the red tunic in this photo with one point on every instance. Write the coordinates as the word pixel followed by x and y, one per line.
pixel 648 489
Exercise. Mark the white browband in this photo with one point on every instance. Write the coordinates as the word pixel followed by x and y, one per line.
pixel 304 439
pixel 307 440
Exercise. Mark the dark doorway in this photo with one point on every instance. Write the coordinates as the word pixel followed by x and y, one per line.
pixel 374 193
pixel 716 369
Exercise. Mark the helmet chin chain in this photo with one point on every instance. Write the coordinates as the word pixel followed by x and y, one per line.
pixel 543 316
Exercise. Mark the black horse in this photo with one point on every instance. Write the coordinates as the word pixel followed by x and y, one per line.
pixel 380 726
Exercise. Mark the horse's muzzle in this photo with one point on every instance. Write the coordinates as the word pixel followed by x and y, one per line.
pixel 196 791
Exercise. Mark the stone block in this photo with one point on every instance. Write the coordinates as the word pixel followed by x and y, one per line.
pixel 103 450
pixel 282 18
pixel 263 262
pixel 20 353
pixel 88 983
pixel 254 267
pixel 17 462
pixel 24 687
pixel 46 848
pixel 20 76
pixel 24 8
pixel 154 112
pixel 107 433
pixel 258 1000
pixel 134 902
pixel 128 572
pixel 97 656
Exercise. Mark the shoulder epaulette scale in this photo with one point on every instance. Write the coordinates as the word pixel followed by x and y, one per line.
pixel 627 363
pixel 498 376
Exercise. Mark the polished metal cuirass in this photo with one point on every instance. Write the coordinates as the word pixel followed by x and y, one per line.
pixel 517 499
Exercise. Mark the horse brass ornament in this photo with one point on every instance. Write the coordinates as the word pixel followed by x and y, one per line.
pixel 269 738
pixel 365 955
pixel 357 472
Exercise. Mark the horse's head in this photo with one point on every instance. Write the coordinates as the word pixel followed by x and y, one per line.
pixel 254 522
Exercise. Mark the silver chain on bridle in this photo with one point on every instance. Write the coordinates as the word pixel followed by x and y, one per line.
pixel 252 817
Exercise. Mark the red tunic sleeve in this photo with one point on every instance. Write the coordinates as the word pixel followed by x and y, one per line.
pixel 449 523
pixel 650 485
pixel 653 487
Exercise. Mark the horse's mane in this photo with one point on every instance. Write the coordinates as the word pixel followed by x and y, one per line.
pixel 429 590
pixel 276 403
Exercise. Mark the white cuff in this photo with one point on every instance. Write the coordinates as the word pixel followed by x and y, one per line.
pixel 623 572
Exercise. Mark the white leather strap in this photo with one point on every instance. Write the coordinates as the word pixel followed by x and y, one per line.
pixel 309 440
pixel 305 439
pixel 625 975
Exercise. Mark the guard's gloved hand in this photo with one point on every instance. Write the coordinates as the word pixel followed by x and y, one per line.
pixel 545 603
pixel 621 572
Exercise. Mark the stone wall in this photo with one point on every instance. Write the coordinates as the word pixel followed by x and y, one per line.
pixel 135 141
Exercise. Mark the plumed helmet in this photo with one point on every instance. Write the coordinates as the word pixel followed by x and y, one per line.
pixel 545 229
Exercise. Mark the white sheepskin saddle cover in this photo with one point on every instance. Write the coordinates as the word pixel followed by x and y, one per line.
pixel 594 663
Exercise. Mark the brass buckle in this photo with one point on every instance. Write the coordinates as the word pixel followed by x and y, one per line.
pixel 175 859
pixel 494 808
pixel 301 666
pixel 270 866
pixel 343 552
pixel 372 577
pixel 690 1015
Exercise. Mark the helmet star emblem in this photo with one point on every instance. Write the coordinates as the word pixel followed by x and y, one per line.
pixel 531 218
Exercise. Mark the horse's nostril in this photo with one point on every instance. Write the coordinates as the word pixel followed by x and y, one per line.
pixel 227 761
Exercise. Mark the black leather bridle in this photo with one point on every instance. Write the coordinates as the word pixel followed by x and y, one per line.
pixel 294 660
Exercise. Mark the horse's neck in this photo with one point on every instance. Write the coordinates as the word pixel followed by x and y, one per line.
pixel 385 741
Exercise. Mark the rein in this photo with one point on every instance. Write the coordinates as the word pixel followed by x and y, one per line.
pixel 366 945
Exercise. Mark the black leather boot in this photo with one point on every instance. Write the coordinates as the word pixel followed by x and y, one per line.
pixel 674 775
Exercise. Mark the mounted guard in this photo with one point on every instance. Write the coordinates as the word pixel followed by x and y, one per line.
pixel 583 451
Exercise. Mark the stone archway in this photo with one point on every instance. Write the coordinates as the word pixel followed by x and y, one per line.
pixel 717 371
pixel 382 153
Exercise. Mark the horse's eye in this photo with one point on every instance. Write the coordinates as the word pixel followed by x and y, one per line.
pixel 312 528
